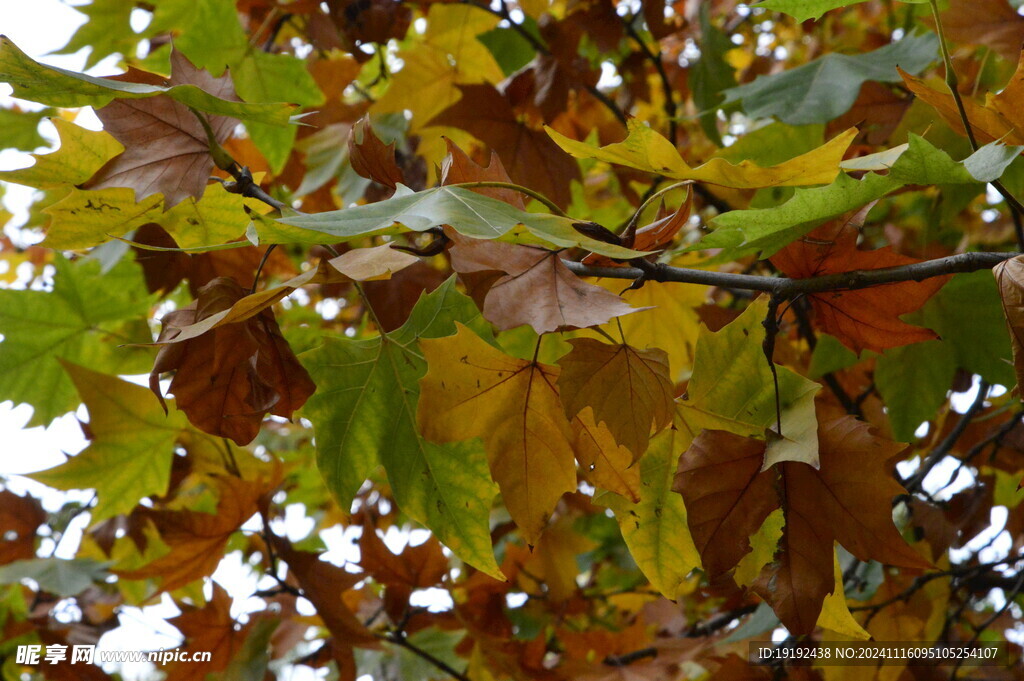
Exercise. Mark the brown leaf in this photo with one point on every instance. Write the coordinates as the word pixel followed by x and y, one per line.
pixel 532 286
pixel 227 379
pixel 166 150
pixel 371 158
pixel 653 237
pixel 324 585
pixel 197 540
pixel 876 112
pixel 629 390
pixel 416 567
pixel 458 167
pixel 394 299
pixel 531 157
pixel 1009 276
pixel 848 500
pixel 727 496
pixel 866 318
pixel 20 517
pixel 208 629
pixel 994 24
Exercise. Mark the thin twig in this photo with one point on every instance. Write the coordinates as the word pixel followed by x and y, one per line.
pixel 659 66
pixel 943 448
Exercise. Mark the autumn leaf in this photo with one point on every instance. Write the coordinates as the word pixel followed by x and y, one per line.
pixel 653 237
pixel 866 319
pixel 210 629
pixel 1009 276
pixel 458 167
pixel 21 515
pixel 166 150
pixel 644 149
pixel 629 390
pixel 371 158
pixel 988 23
pixel 529 155
pixel 196 540
pixel 82 152
pixel 473 390
pixel 532 286
pixel 603 461
pixel 228 379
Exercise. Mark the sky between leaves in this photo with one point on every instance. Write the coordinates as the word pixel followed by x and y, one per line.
pixel 397 323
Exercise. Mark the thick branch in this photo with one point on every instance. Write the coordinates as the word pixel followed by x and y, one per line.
pixel 789 288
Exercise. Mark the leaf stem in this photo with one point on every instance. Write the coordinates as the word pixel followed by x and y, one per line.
pixel 514 187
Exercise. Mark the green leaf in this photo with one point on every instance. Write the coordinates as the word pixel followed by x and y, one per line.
pixel 827 87
pixel 802 10
pixel 830 355
pixel 82 321
pixel 913 381
pixel 58 87
pixel 206 31
pixel 711 75
pixel 468 212
pixel 20 129
pixel 732 389
pixel 264 77
pixel 989 162
pixel 82 152
pixel 132 444
pixel 655 528
pixel 968 316
pixel 364 412
pixel 107 31
pixel 58 576
pixel 764 231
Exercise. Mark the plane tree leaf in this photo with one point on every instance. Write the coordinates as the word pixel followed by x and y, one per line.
pixel 1009 276
pixel 827 87
pixel 59 87
pixel 81 153
pixel 629 390
pixel 473 390
pixel 364 414
pixel 645 149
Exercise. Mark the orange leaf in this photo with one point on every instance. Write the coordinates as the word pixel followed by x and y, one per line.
pixel 865 318
pixel 605 463
pixel 197 540
pixel 653 237
pixel 209 629
pixel 458 167
pixel 628 389
pixel 371 158
pixel 473 390
pixel 20 517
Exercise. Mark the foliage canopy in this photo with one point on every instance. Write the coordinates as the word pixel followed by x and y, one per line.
pixel 679 326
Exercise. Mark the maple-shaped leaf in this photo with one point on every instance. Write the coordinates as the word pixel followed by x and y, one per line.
pixel 732 389
pixel 371 158
pixel 727 496
pixel 848 499
pixel 628 389
pixel 865 319
pixel 603 461
pixel 228 379
pixel 130 449
pixel 458 167
pixel 473 390
pixel 210 629
pixel 166 149
pixel 1009 276
pixel 645 149
pixel 196 540
pixel 82 152
pixel 993 24
pixel 531 158
pixel 526 285
pixel 1001 117
pixel 21 516
pixel 655 528
pixel 324 585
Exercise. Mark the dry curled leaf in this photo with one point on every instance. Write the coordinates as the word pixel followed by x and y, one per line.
pixel 228 378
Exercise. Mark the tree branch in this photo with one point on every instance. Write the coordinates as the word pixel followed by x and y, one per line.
pixel 787 288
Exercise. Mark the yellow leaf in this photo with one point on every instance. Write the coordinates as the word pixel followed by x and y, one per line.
pixel 763 545
pixel 82 152
pixel 84 218
pixel 835 615
pixel 216 218
pixel 645 149
pixel 473 390
pixel 605 463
